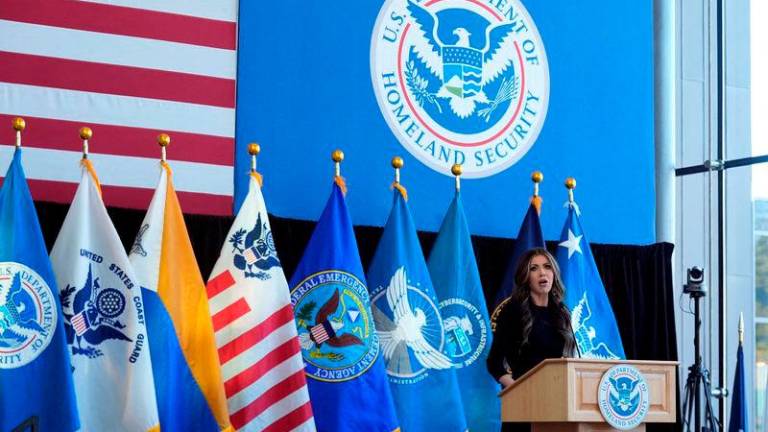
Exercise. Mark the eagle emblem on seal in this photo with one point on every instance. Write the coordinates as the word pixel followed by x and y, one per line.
pixel 92 317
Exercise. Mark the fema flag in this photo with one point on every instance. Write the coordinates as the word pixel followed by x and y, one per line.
pixel 467 328
pixel 594 325
pixel 529 237
pixel 34 356
pixel 104 317
pixel 342 354
pixel 411 330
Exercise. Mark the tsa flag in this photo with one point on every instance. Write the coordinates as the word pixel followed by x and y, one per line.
pixel 190 394
pixel 103 317
pixel 347 382
pixel 255 333
pixel 36 388
pixel 592 319
pixel 465 319
pixel 529 237
pixel 411 330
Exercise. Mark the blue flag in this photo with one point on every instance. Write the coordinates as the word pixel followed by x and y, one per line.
pixel 465 318
pixel 739 418
pixel 346 377
pixel 594 324
pixel 529 237
pixel 35 374
pixel 411 330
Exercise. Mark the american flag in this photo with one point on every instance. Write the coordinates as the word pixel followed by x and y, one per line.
pixel 80 323
pixel 128 69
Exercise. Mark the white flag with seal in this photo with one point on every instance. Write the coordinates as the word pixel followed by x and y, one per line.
pixel 103 318
pixel 256 335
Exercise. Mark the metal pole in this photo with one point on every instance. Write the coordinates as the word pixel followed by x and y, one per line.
pixel 665 97
pixel 721 211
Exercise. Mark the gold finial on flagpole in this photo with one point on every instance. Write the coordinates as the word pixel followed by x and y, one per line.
pixel 163 140
pixel 18 125
pixel 536 178
pixel 85 134
pixel 741 328
pixel 253 149
pixel 337 156
pixel 397 163
pixel 456 171
pixel 570 184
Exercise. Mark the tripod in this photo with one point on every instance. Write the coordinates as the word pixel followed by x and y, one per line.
pixel 698 380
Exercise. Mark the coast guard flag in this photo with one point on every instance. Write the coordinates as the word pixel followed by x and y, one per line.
pixel 103 318
pixel 467 328
pixel 35 377
pixel 529 237
pixel 411 330
pixel 255 333
pixel 739 419
pixel 190 394
pixel 347 382
pixel 594 325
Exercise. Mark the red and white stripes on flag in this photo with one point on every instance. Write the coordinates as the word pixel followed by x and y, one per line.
pixel 256 335
pixel 129 70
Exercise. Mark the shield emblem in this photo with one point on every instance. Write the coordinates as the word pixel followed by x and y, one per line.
pixel 462 70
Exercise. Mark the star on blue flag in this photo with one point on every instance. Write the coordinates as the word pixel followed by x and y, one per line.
pixel 594 324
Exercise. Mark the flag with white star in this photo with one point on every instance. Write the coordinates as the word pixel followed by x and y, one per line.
pixel 592 318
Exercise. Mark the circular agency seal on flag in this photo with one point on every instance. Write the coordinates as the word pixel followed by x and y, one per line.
pixel 623 397
pixel 461 81
pixel 336 333
pixel 27 315
pixel 411 332
pixel 465 330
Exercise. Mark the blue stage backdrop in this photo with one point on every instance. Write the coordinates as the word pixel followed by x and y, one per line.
pixel 558 86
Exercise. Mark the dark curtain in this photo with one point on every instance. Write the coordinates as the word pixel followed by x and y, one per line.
pixel 638 279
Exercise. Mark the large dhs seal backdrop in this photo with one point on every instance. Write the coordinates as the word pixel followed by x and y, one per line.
pixel 460 81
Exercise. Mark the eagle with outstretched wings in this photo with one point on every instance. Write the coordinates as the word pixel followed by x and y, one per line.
pixel 328 330
pixel 88 322
pixel 463 68
pixel 17 314
pixel 405 332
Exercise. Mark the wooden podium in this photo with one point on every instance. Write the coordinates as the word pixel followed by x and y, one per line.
pixel 562 394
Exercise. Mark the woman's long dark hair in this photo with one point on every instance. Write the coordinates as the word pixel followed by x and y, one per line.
pixel 522 296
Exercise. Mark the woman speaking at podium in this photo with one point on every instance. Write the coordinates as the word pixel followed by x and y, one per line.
pixel 533 324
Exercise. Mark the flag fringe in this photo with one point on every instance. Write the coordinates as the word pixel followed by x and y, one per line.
pixel 258 177
pixel 89 167
pixel 341 183
pixel 400 188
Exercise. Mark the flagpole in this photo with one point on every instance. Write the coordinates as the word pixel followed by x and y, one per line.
pixel 537 177
pixel 85 134
pixel 456 171
pixel 18 125
pixel 337 156
pixel 397 163
pixel 570 184
pixel 163 140
pixel 741 328
pixel 253 149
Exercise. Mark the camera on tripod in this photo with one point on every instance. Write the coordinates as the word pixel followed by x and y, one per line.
pixel 695 285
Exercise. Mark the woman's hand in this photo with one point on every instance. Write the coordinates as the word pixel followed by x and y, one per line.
pixel 506 380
